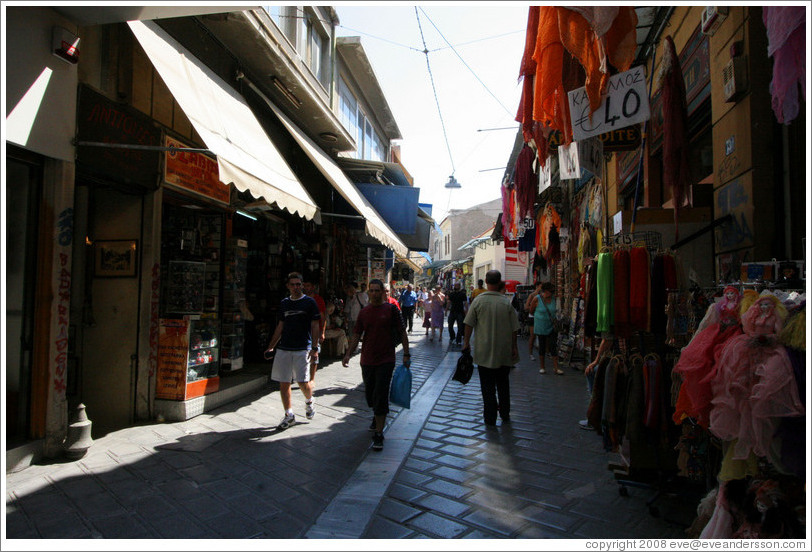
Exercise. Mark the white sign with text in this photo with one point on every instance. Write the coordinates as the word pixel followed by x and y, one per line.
pixel 568 165
pixel 545 174
pixel 625 103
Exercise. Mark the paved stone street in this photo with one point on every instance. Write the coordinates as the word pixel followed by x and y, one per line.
pixel 231 473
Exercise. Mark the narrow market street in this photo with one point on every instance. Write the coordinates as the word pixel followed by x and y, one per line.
pixel 230 473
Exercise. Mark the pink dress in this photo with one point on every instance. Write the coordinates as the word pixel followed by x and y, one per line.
pixel 437 312
pixel 754 385
pixel 697 362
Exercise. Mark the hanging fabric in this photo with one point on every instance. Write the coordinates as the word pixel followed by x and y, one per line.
pixel 639 288
pixel 526 181
pixel 607 36
pixel 786 33
pixel 606 309
pixel 621 269
pixel 675 129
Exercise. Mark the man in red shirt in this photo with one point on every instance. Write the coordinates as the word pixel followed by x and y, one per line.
pixel 311 290
pixel 376 323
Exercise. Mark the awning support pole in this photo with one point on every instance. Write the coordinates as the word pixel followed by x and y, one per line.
pixel 139 147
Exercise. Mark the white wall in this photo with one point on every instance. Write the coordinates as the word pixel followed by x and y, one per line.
pixel 40 87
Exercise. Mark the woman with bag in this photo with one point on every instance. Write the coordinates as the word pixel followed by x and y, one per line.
pixel 543 308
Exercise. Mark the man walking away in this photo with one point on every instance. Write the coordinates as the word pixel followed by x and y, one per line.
pixel 493 323
pixel 297 338
pixel 408 301
pixel 376 323
pixel 458 307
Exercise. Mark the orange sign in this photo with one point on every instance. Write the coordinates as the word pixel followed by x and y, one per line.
pixel 194 171
pixel 173 347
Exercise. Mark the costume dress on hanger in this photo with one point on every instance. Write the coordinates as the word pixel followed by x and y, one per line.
pixel 698 359
pixel 754 384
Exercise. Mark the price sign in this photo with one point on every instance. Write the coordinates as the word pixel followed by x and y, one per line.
pixel 624 104
pixel 545 174
pixel 568 164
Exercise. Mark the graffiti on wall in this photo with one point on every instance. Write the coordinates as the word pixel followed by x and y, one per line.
pixel 63 319
pixel 154 321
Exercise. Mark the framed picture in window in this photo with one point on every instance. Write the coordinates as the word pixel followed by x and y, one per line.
pixel 115 258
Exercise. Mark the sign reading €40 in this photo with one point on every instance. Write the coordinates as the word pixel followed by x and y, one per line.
pixel 624 104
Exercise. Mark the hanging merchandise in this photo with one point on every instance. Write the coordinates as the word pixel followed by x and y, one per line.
pixel 605 288
pixel 792 431
pixel 698 359
pixel 564 50
pixel 621 269
pixel 754 385
pixel 639 285
pixel 548 218
pixel 675 129
pixel 663 278
pixel 786 26
pixel 507 211
pixel 553 253
pixel 526 182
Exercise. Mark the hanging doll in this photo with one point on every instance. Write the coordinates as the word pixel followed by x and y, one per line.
pixel 754 384
pixel 698 358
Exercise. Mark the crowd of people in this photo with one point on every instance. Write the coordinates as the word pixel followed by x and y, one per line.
pixel 379 317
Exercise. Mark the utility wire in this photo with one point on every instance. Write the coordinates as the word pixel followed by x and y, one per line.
pixel 434 89
pixel 383 39
pixel 463 62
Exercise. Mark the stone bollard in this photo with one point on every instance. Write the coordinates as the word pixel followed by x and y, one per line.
pixel 78 439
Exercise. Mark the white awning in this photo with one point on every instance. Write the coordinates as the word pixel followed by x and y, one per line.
pixel 245 154
pixel 375 225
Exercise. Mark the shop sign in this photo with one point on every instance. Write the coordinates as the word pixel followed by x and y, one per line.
pixel 622 139
pixel 173 346
pixel 625 103
pixel 99 119
pixel 568 165
pixel 194 171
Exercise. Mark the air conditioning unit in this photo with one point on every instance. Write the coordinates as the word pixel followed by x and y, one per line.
pixel 734 78
pixel 712 17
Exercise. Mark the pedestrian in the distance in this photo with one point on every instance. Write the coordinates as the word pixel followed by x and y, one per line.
pixel 457 308
pixel 543 308
pixel 408 302
pixel 296 342
pixel 377 323
pixel 495 328
pixel 437 312
pixel 352 305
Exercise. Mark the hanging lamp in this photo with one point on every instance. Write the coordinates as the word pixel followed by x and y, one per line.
pixel 452 182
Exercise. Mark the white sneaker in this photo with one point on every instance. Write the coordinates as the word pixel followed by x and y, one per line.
pixel 532 357
pixel 310 411
pixel 542 371
pixel 287 421
pixel 585 425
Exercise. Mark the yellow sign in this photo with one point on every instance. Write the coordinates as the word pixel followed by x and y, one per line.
pixel 194 171
pixel 173 348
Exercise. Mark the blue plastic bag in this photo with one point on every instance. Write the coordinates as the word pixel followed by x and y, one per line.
pixel 400 393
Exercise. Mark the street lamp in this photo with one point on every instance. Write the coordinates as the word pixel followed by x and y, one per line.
pixel 452 182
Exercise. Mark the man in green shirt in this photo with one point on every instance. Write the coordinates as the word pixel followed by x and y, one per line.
pixel 494 325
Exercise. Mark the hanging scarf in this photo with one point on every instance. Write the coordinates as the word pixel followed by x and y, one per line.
pixel 606 308
pixel 621 267
pixel 596 37
pixel 526 181
pixel 675 129
pixel 639 288
pixel 553 253
pixel 786 32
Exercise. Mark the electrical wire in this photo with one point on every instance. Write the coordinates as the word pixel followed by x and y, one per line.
pixel 434 89
pixel 466 65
